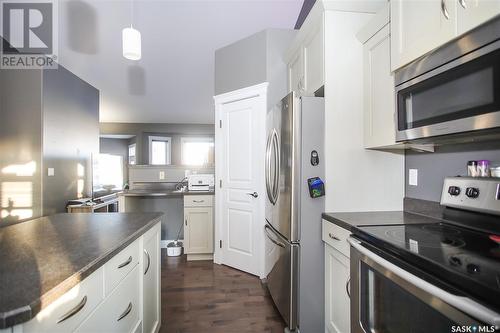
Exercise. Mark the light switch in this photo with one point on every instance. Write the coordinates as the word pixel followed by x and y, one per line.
pixel 162 174
pixel 413 177
pixel 50 172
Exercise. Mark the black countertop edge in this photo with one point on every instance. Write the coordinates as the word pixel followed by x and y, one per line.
pixel 351 220
pixel 25 313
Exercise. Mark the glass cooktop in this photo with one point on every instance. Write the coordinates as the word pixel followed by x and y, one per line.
pixel 466 259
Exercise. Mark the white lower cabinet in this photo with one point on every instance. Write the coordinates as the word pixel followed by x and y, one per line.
pixel 122 296
pixel 151 279
pixel 69 310
pixel 337 299
pixel 198 227
pixel 120 312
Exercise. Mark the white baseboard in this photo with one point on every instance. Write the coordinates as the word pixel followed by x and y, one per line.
pixel 163 243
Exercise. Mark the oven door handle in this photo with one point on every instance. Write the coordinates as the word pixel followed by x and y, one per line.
pixel 462 303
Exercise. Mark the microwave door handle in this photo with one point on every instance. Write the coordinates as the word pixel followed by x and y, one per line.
pixel 462 303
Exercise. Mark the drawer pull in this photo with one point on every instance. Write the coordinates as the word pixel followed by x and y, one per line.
pixel 333 237
pixel 198 201
pixel 126 312
pixel 73 311
pixel 149 261
pixel 129 260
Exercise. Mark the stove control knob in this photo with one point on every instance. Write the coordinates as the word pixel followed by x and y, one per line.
pixel 454 190
pixel 472 192
pixel 455 261
pixel 473 269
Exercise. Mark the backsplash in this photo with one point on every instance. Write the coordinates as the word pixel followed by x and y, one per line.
pixel 161 174
pixel 449 160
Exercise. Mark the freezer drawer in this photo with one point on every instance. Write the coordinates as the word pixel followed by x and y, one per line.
pixel 282 263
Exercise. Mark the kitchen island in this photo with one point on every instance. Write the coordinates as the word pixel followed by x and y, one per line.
pixel 77 272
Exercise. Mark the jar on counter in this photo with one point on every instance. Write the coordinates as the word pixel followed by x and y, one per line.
pixel 472 169
pixel 495 169
pixel 483 168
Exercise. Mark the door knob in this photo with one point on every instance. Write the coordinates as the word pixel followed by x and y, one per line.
pixel 254 194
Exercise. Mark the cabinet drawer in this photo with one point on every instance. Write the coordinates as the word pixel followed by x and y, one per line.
pixel 80 300
pixel 120 265
pixel 120 311
pixel 336 237
pixel 198 200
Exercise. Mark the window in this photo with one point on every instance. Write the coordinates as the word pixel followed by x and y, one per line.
pixel 197 151
pixel 131 154
pixel 159 150
pixel 107 173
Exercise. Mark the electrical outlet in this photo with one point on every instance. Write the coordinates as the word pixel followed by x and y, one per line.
pixel 51 172
pixel 162 175
pixel 413 177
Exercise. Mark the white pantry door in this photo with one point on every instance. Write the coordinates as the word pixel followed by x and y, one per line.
pixel 240 149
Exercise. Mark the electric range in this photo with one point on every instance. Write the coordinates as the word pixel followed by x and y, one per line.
pixel 448 272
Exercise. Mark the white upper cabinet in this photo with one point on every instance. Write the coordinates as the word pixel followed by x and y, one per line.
pixel 419 26
pixel 314 58
pixel 471 13
pixel 378 84
pixel 305 57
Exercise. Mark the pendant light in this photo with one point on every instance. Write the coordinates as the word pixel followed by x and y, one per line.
pixel 131 40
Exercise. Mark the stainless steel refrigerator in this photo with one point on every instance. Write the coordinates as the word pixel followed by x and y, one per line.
pixel 294 250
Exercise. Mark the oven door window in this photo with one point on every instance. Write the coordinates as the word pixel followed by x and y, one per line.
pixel 467 90
pixel 386 307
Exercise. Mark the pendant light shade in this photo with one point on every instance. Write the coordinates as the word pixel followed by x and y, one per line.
pixel 131 39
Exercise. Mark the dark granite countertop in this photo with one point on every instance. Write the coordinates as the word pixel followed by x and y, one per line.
pixel 358 219
pixel 41 259
pixel 162 193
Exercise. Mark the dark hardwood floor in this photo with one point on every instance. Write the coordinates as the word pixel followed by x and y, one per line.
pixel 200 296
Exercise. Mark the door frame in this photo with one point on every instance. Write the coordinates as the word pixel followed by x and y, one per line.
pixel 256 91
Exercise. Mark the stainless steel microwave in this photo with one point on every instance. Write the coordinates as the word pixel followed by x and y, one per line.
pixel 453 90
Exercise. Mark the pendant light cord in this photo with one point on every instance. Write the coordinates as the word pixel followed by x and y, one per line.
pixel 131 13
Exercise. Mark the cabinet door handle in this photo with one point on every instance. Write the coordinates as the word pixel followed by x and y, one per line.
pixel 444 10
pixel 123 264
pixel 126 312
pixel 149 261
pixel 332 236
pixel 73 311
pixel 348 288
pixel 463 3
pixel 186 221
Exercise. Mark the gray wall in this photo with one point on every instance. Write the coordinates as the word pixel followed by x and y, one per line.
pixel 253 60
pixel 116 147
pixel 143 130
pixel 50 117
pixel 70 137
pixel 241 64
pixel 20 137
pixel 449 160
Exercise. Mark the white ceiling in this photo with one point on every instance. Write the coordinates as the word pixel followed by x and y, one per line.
pixel 174 80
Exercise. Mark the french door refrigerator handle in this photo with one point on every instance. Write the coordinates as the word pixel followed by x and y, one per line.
pixel 268 167
pixel 277 155
pixel 462 303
